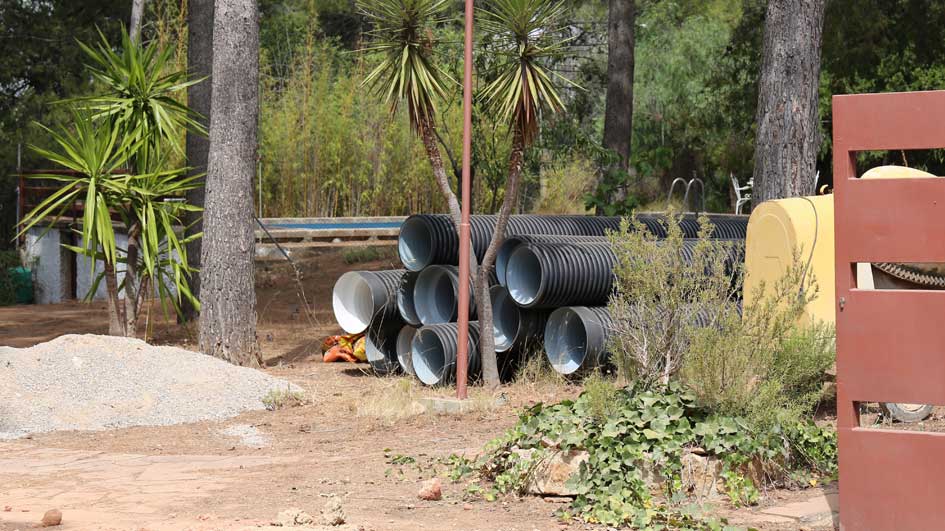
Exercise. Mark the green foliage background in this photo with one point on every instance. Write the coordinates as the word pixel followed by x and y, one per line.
pixel 328 148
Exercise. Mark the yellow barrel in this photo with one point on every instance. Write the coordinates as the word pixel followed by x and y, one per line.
pixel 775 229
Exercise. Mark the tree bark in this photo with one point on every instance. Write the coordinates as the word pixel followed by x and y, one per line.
pixel 199 62
pixel 618 107
pixel 116 314
pixel 137 15
pixel 227 291
pixel 428 135
pixel 788 130
pixel 132 281
pixel 490 369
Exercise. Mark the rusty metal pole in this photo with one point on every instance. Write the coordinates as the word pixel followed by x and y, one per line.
pixel 462 334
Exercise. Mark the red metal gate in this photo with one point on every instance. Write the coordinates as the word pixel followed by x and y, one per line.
pixel 890 343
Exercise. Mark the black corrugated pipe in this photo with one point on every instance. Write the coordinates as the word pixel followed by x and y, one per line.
pixel 405 305
pixel 576 338
pixel 434 353
pixel 360 297
pixel 436 294
pixel 404 354
pixel 549 275
pixel 512 242
pixel 513 326
pixel 427 239
pixel 381 344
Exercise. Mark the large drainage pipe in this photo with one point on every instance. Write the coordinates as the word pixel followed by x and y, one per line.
pixel 405 304
pixel 549 275
pixel 513 326
pixel 513 242
pixel 404 353
pixel 381 344
pixel 427 239
pixel 434 353
pixel 360 297
pixel 436 294
pixel 576 338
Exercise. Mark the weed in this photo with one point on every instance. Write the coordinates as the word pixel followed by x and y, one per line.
pixel 283 398
pixel 359 255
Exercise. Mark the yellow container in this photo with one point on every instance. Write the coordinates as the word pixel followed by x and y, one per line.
pixel 775 229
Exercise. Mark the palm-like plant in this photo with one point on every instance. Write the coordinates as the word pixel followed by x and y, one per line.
pixel 140 97
pixel 402 35
pixel 130 124
pixel 94 152
pixel 523 36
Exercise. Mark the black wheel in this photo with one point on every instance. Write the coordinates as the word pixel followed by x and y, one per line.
pixel 907 412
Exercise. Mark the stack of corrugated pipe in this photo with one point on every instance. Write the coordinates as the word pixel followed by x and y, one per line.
pixel 553 277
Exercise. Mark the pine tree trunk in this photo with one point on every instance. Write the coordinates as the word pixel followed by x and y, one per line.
pixel 137 15
pixel 788 129
pixel 490 369
pixel 618 107
pixel 199 62
pixel 227 290
pixel 428 135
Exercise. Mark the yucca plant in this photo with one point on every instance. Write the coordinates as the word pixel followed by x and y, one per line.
pixel 117 152
pixel 140 97
pixel 402 34
pixel 96 154
pixel 522 36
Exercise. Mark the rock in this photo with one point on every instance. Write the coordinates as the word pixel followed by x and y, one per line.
pixel 549 477
pixel 333 513
pixel 53 517
pixel 431 490
pixel 293 517
pixel 7 508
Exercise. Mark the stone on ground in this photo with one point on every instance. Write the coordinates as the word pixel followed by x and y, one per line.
pixel 52 518
pixel 431 490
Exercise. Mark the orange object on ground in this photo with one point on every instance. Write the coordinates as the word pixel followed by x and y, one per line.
pixel 349 348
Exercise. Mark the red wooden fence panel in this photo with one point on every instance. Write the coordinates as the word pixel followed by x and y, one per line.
pixel 890 343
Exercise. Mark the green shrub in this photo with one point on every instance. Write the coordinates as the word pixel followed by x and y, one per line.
pixel 358 255
pixel 765 365
pixel 660 295
pixel 682 317
pixel 8 260
pixel 655 426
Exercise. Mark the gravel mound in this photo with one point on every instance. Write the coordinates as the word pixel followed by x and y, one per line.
pixel 89 382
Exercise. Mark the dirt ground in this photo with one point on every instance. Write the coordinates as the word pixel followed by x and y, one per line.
pixel 344 442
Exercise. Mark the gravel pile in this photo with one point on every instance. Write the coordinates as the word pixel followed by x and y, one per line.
pixel 89 382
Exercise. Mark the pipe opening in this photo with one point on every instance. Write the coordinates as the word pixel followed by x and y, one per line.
pixel 502 258
pixel 565 341
pixel 405 302
pixel 434 296
pixel 523 276
pixel 352 302
pixel 415 244
pixel 404 353
pixel 506 319
pixel 429 357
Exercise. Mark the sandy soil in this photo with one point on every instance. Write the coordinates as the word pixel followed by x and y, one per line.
pixel 343 442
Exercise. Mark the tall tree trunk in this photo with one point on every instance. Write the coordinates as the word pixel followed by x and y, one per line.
pixel 428 135
pixel 132 281
pixel 137 15
pixel 618 107
pixel 116 312
pixel 490 369
pixel 227 290
pixel 788 136
pixel 199 62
